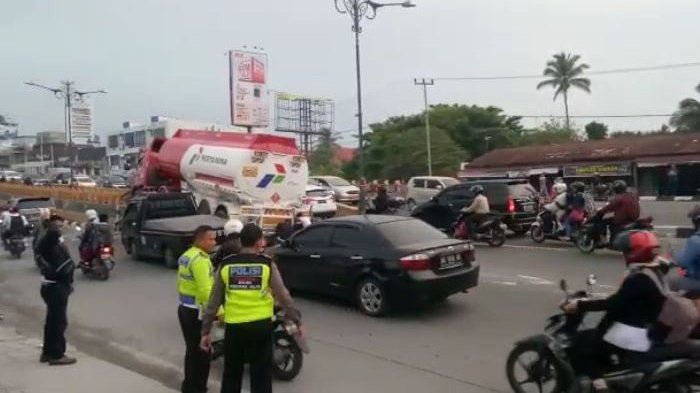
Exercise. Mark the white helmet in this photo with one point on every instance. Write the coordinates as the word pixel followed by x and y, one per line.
pixel 305 221
pixel 559 188
pixel 91 214
pixel 233 226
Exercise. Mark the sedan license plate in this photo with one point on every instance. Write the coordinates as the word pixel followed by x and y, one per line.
pixel 529 208
pixel 451 261
pixel 321 201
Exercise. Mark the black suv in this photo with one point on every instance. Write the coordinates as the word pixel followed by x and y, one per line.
pixel 516 200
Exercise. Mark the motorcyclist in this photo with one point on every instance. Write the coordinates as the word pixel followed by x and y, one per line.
pixel 559 203
pixel 477 211
pixel 689 258
pixel 89 240
pixel 380 203
pixel 625 209
pixel 231 244
pixel 14 224
pixel 632 311
pixel 577 207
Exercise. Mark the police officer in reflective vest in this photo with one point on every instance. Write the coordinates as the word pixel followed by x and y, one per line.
pixel 247 285
pixel 194 283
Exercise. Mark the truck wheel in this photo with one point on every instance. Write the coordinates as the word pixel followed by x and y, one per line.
pixel 170 259
pixel 221 212
pixel 204 207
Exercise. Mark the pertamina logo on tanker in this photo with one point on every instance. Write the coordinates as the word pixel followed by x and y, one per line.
pixel 207 158
pixel 273 178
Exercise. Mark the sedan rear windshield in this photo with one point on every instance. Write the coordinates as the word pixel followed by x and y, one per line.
pixel 522 190
pixel 336 181
pixel 34 204
pixel 317 193
pixel 406 232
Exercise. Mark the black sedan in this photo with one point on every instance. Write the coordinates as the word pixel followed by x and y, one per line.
pixel 377 261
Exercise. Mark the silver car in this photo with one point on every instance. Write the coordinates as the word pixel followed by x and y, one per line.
pixel 341 188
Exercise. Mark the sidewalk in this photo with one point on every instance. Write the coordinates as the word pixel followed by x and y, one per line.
pixel 21 372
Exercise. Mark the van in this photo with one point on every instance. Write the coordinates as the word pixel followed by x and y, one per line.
pixel 422 188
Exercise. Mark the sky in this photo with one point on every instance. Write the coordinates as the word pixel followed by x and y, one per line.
pixel 168 58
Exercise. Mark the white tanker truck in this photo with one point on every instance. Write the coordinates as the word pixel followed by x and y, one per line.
pixel 257 177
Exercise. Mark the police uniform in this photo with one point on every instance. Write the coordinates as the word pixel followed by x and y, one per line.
pixel 248 310
pixel 194 283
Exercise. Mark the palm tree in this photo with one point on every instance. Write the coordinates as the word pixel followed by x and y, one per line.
pixel 687 117
pixel 564 73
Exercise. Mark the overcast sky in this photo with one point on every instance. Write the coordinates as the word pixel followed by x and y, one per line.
pixel 167 57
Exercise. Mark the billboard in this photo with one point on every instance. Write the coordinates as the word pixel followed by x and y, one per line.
pixel 606 169
pixel 81 119
pixel 249 103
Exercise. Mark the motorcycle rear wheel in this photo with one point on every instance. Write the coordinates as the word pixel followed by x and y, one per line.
pixel 543 371
pixel 585 243
pixel 289 367
pixel 537 234
pixel 497 237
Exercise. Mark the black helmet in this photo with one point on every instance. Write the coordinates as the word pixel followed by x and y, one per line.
pixel 477 189
pixel 577 186
pixel 619 186
pixel 694 215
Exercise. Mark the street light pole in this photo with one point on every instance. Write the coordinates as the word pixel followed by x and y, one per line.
pixel 425 83
pixel 486 144
pixel 358 9
pixel 67 93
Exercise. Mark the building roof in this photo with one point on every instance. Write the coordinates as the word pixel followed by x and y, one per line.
pixel 681 147
pixel 343 154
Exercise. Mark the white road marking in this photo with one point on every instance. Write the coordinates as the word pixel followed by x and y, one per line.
pixel 560 249
pixel 508 283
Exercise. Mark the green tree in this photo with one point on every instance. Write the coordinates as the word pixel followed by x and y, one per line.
pixel 564 72
pixel 321 159
pixel 687 117
pixel 596 131
pixel 552 131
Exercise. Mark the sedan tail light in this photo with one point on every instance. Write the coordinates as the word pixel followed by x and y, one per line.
pixel 416 262
pixel 510 205
pixel 306 200
pixel 107 250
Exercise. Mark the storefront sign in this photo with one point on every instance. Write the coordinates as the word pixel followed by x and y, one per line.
pixel 249 106
pixel 615 169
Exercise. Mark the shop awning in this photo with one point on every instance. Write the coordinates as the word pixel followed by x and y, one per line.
pixel 649 162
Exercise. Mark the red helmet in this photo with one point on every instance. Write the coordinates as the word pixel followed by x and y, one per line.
pixel 637 246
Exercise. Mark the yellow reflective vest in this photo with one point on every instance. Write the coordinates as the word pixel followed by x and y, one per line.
pixel 194 278
pixel 246 279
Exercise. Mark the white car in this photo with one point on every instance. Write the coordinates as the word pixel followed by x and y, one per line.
pixel 12 175
pixel 83 181
pixel 342 189
pixel 422 188
pixel 320 202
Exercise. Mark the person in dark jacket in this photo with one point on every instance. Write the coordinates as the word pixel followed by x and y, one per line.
pixel 231 244
pixel 634 308
pixel 40 231
pixel 56 286
pixel 381 202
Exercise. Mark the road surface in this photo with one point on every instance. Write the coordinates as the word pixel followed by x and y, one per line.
pixel 457 346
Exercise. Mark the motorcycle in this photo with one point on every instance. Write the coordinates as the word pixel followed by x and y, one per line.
pixel 669 368
pixel 588 238
pixel 289 346
pixel 97 265
pixel 16 246
pixel 489 230
pixel 546 226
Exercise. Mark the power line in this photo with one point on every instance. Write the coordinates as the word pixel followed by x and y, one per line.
pixel 593 116
pixel 601 72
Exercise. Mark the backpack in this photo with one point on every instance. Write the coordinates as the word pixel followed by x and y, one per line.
pixel 678 314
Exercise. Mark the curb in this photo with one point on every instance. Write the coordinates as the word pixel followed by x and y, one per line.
pixel 687 198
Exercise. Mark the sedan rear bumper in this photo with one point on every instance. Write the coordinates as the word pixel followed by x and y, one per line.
pixel 409 288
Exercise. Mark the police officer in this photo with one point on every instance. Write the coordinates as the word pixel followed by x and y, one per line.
pixel 194 283
pixel 247 285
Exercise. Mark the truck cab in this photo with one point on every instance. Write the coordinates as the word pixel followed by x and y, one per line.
pixel 161 226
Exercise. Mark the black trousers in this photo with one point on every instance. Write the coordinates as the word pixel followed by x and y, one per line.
pixel 196 361
pixel 248 343
pixel 56 298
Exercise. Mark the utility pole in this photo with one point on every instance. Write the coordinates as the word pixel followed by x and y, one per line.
pixel 357 10
pixel 67 93
pixel 425 83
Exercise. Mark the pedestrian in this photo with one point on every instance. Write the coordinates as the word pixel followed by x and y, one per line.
pixel 40 230
pixel 247 285
pixel 672 180
pixel 56 268
pixel 194 283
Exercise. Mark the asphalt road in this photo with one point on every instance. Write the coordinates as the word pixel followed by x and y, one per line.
pixel 457 346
